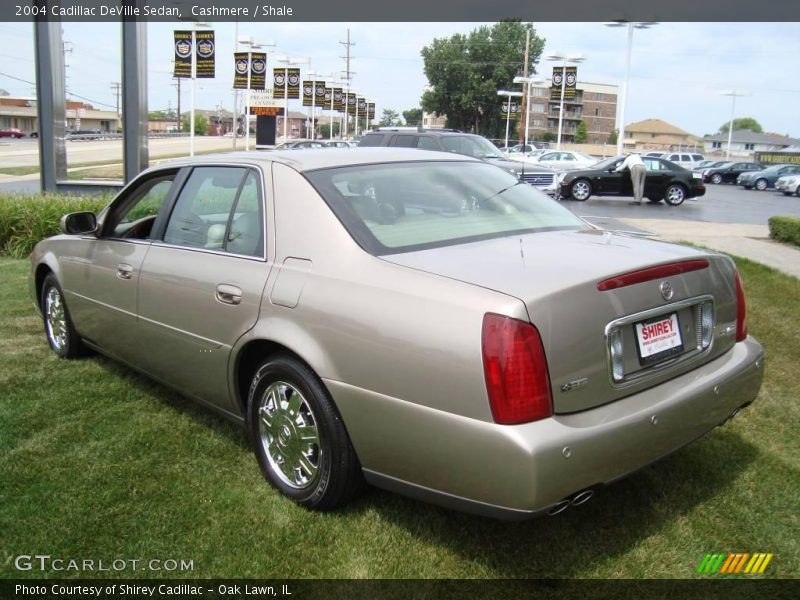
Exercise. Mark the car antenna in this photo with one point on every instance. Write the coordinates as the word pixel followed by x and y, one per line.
pixel 521 251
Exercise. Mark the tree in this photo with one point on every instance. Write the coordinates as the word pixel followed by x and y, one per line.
pixel 325 130
pixel 612 137
pixel 581 133
pixel 546 136
pixel 742 123
pixel 200 124
pixel 466 70
pixel 413 116
pixel 390 117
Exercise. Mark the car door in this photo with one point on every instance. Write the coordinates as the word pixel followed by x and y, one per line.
pixel 658 175
pixel 202 282
pixel 100 279
pixel 613 182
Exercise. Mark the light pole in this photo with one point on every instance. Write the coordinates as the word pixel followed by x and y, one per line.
pixel 251 45
pixel 195 25
pixel 528 81
pixel 733 94
pixel 508 96
pixel 564 58
pixel 631 25
pixel 287 61
pixel 313 77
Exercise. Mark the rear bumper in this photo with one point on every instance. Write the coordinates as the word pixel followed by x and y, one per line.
pixel 524 470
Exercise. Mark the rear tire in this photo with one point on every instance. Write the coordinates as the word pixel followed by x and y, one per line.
pixel 761 185
pixel 675 194
pixel 300 440
pixel 58 327
pixel 580 190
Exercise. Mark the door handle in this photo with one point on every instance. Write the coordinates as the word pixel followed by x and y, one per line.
pixel 229 294
pixel 124 271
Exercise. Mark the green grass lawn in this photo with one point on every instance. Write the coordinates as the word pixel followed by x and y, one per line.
pixel 97 461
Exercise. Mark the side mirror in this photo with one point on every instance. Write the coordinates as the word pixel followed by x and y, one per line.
pixel 79 223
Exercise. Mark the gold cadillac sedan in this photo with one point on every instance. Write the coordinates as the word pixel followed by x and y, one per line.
pixel 420 321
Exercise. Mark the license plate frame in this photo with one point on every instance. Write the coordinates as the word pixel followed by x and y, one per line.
pixel 666 340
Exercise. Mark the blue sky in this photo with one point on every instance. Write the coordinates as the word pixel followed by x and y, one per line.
pixel 676 73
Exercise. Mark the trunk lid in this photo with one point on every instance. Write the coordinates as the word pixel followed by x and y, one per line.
pixel 556 275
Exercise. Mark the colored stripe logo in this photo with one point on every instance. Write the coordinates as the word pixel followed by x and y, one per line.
pixel 734 563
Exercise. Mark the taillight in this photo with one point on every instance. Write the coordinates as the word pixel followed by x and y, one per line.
pixel 741 309
pixel 515 369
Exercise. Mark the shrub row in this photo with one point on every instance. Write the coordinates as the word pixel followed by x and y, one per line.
pixel 785 229
pixel 27 218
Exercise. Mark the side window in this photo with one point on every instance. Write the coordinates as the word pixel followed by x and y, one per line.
pixel 427 143
pixel 201 215
pixel 246 235
pixel 371 139
pixel 404 141
pixel 697 157
pixel 673 157
pixel 134 217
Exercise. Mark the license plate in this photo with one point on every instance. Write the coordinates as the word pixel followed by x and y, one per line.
pixel 658 339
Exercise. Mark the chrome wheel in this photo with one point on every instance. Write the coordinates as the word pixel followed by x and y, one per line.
pixel 675 195
pixel 581 190
pixel 289 435
pixel 55 319
pixel 716 178
pixel 761 184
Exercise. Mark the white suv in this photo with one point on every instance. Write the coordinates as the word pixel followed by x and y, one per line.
pixel 684 159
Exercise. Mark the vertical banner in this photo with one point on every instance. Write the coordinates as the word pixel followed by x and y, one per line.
pixel 362 107
pixel 258 71
pixel 351 103
pixel 338 99
pixel 328 98
pixel 294 84
pixel 570 87
pixel 308 93
pixel 240 67
pixel 513 107
pixel 320 91
pixel 183 54
pixel 278 83
pixel 205 50
pixel 371 113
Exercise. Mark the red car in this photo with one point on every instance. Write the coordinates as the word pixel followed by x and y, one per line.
pixel 11 132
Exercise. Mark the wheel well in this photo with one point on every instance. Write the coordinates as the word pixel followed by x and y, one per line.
pixel 249 359
pixel 42 271
pixel 680 184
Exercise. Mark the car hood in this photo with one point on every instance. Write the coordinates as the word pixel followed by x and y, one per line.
pixel 532 266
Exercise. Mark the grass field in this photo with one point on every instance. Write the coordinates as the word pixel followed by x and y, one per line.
pixel 97 461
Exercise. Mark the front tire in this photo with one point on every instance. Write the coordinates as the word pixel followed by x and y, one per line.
pixel 580 190
pixel 675 194
pixel 761 185
pixel 300 441
pixel 58 327
pixel 716 178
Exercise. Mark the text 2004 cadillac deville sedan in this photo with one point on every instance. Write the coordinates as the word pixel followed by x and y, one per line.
pixel 417 320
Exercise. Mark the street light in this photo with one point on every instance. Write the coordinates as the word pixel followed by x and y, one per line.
pixel 251 45
pixel 195 25
pixel 631 25
pixel 508 95
pixel 733 94
pixel 528 81
pixel 287 61
pixel 564 58
pixel 313 76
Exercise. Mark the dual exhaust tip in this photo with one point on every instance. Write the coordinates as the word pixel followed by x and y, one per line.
pixel 575 500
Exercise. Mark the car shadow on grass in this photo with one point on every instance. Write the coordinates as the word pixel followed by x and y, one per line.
pixel 580 540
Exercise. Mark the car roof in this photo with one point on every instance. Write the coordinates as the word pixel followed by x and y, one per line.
pixel 322 158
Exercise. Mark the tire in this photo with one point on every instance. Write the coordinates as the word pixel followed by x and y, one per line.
pixel 58 327
pixel 580 190
pixel 761 184
pixel 300 440
pixel 675 194
pixel 748 187
pixel 787 193
pixel 716 178
pixel 797 191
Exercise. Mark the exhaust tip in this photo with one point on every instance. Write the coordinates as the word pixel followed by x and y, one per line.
pixel 582 497
pixel 559 507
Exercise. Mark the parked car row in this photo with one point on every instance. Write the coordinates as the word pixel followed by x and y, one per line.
pixel 767 177
pixel 789 184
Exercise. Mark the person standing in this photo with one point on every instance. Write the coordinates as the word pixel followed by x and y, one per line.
pixel 633 162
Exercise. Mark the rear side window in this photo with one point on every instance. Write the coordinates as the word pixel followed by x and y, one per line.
pixel 427 143
pixel 372 139
pixel 697 157
pixel 404 141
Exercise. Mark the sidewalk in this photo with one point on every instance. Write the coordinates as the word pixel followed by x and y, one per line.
pixel 747 241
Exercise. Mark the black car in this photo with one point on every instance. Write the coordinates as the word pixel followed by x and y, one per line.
pixel 664 181
pixel 461 143
pixel 730 173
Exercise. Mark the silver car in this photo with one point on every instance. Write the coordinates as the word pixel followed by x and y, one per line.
pixel 421 321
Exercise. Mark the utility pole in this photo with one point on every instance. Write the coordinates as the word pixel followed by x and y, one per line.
pixel 523 120
pixel 178 86
pixel 348 76
pixel 116 87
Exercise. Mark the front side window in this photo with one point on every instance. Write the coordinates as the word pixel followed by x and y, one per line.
pixel 402 207
pixel 134 217
pixel 219 208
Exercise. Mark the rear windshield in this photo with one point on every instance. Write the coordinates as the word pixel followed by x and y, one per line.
pixel 401 207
